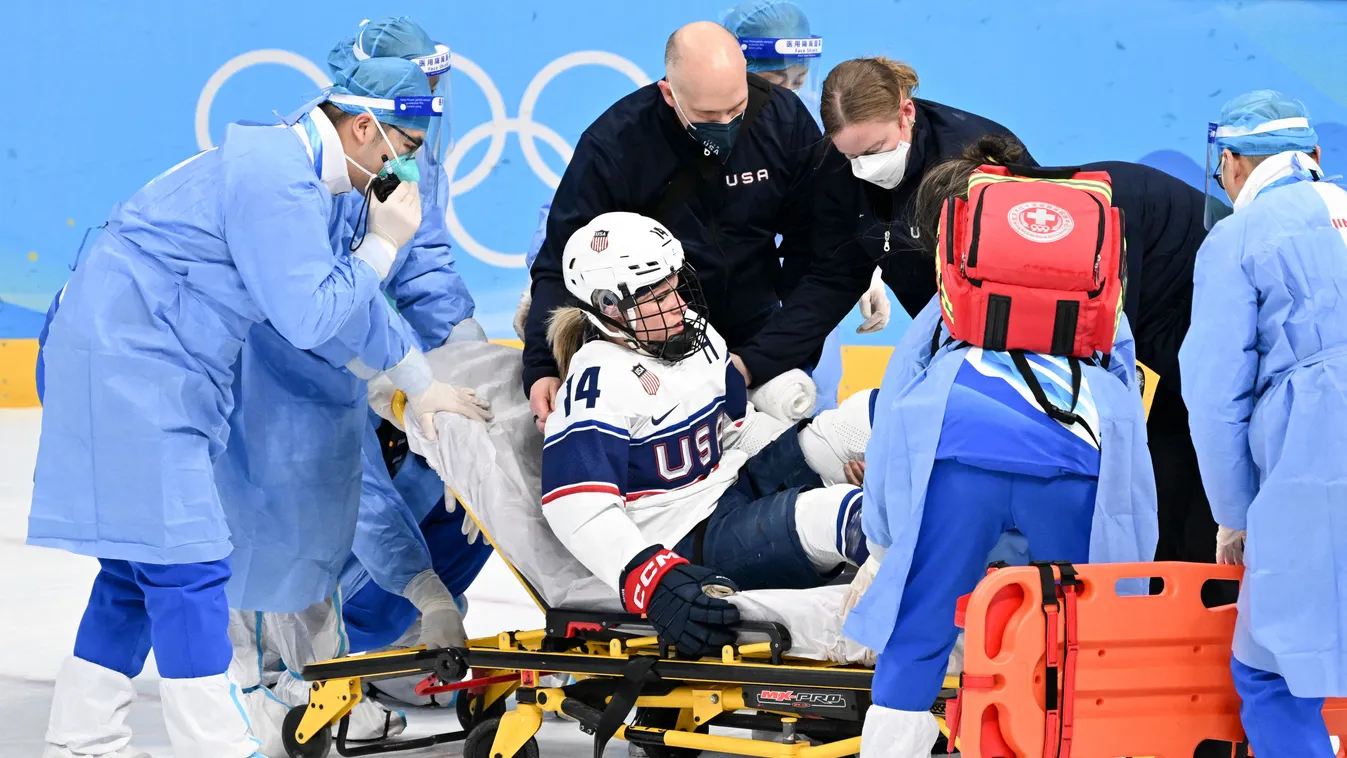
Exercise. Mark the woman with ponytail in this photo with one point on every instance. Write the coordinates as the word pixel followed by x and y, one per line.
pixel 1162 221
pixel 880 140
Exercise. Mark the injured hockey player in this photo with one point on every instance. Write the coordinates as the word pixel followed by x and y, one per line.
pixel 658 474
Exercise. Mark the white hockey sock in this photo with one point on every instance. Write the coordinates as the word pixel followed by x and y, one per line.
pixel 816 523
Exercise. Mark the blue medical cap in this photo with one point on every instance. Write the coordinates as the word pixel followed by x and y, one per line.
pixel 375 84
pixel 386 38
pixel 768 19
pixel 1265 122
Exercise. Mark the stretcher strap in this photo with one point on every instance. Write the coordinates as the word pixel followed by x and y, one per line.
pixel 1070 593
pixel 954 708
pixel 1059 712
pixel 1051 715
pixel 635 675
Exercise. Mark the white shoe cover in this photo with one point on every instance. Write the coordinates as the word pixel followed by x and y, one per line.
pixel 266 720
pixel 371 721
pixel 205 718
pixel 898 734
pixel 88 713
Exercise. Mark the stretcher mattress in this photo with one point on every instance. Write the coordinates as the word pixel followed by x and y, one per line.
pixel 497 475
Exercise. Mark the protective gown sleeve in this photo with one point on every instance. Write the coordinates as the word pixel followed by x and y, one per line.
pixel 428 291
pixel 909 359
pixel 1219 363
pixel 536 244
pixel 388 540
pixel 379 337
pixel 276 229
pixel 591 186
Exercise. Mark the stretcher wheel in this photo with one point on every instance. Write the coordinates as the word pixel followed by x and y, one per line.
pixel 318 746
pixel 478 744
pixel 665 718
pixel 470 712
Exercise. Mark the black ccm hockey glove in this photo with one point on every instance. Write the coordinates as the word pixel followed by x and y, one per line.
pixel 683 601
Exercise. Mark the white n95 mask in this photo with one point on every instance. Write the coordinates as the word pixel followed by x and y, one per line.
pixel 883 169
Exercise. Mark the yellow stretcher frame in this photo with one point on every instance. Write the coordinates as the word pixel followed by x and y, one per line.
pixel 694 693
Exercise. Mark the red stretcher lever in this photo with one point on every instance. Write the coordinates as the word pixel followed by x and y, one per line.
pixel 429 686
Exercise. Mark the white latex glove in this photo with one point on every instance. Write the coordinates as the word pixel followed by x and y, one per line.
pixel 521 316
pixel 441 623
pixel 381 391
pixel 470 528
pixel 396 219
pixel 864 577
pixel 1230 546
pixel 445 398
pixel 391 225
pixel 875 307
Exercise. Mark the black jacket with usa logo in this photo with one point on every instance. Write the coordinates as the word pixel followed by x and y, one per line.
pixel 626 161
pixel 858 226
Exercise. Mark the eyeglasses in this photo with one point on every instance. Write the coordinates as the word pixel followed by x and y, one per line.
pixel 412 141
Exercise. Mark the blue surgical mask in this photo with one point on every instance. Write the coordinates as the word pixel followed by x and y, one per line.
pixel 716 137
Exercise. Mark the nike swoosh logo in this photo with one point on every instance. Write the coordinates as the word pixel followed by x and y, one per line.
pixel 660 419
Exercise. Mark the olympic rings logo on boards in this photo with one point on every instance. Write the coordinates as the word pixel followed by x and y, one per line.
pixel 496 130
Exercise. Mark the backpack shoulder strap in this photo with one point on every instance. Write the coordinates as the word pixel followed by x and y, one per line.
pixel 685 181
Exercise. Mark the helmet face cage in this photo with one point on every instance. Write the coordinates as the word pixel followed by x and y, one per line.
pixel 650 334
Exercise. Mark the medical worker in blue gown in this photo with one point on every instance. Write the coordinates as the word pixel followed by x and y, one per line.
pixel 138 367
pixel 960 454
pixel 290 479
pixel 1265 380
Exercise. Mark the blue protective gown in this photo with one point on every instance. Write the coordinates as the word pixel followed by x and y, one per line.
pixel 1265 380
pixel 290 477
pixel 908 420
pixel 139 359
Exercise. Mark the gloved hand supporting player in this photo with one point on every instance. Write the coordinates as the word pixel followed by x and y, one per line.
pixel 1230 546
pixel 683 601
pixel 445 397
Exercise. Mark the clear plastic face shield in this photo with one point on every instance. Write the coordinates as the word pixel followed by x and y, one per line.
pixel 1212 175
pixel 803 72
pixel 440 136
pixel 388 179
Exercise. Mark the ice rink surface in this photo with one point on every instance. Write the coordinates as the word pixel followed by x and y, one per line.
pixel 45 591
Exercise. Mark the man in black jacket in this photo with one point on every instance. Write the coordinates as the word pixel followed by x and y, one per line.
pixel 721 158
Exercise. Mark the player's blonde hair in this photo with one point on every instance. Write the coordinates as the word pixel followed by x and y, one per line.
pixel 865 90
pixel 566 329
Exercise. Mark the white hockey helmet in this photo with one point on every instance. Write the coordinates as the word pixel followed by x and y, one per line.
pixel 615 262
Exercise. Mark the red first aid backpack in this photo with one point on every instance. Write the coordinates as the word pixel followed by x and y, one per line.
pixel 1033 261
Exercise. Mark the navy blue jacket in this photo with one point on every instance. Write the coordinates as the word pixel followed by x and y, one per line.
pixel 852 221
pixel 626 160
pixel 1162 223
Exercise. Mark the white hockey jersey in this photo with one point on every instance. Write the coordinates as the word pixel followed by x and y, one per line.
pixel 634 453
